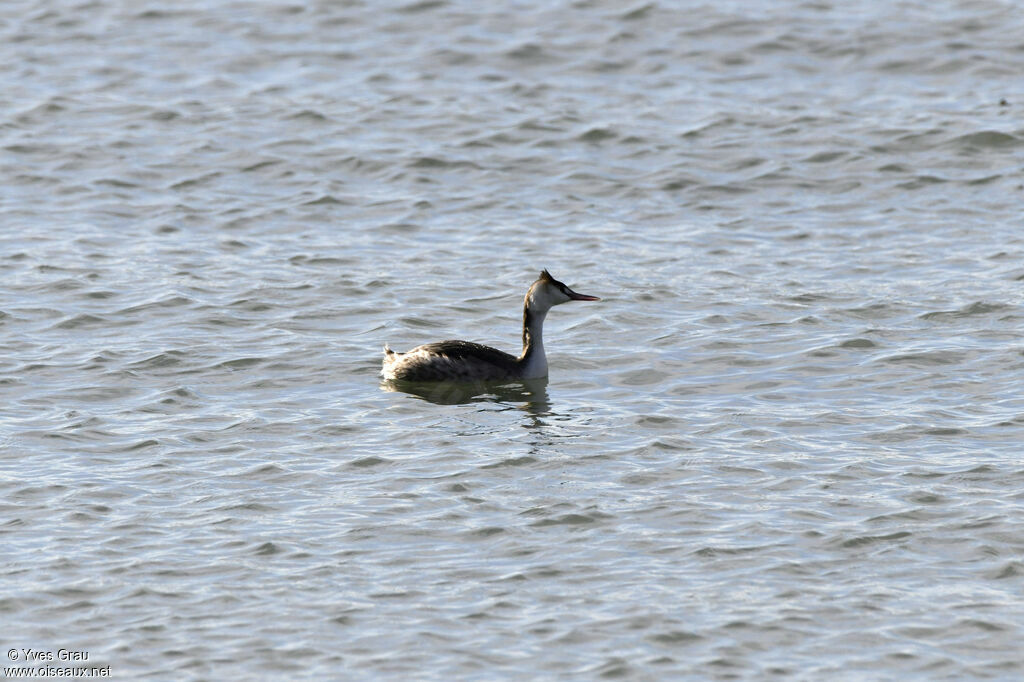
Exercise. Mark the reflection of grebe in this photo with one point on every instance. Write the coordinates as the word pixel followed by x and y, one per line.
pixel 462 360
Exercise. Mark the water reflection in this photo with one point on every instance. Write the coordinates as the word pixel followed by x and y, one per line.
pixel 532 393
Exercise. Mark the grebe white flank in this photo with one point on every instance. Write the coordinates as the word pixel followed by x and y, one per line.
pixel 463 360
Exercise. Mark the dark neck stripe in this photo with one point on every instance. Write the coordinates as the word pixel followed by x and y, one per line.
pixel 527 320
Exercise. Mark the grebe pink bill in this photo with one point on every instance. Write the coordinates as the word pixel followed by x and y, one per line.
pixel 467 361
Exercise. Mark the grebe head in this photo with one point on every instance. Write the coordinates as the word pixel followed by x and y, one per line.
pixel 548 291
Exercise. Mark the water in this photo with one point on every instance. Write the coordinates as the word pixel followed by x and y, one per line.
pixel 786 443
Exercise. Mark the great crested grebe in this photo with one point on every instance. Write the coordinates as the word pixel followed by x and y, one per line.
pixel 464 361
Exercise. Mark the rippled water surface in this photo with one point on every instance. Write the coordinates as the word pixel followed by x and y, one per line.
pixel 786 443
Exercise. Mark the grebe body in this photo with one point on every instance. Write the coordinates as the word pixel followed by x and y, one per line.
pixel 467 361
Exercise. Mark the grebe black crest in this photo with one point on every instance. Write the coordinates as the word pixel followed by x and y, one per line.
pixel 466 361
